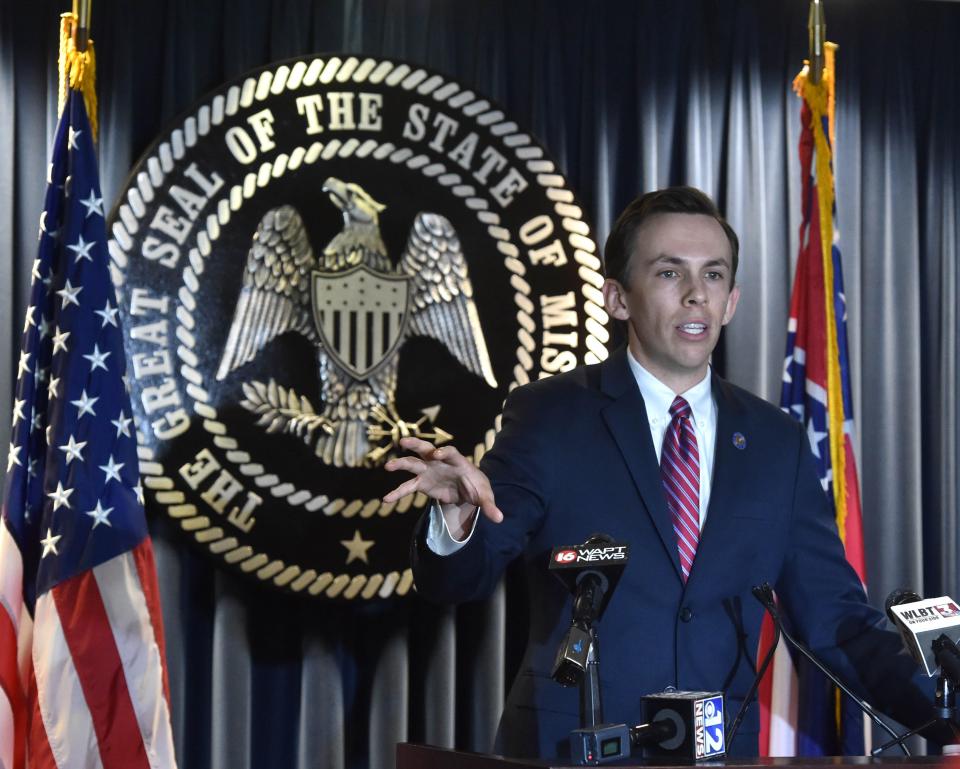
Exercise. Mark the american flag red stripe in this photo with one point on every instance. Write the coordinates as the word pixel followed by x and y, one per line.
pixel 38 746
pixel 97 665
pixel 147 573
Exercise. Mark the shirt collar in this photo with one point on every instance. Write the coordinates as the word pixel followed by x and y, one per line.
pixel 658 397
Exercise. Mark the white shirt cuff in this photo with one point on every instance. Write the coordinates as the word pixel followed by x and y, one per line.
pixel 439 539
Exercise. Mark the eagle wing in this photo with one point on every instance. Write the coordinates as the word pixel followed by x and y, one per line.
pixel 275 297
pixel 443 306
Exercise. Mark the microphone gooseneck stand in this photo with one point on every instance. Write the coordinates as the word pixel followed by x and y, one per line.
pixel 591 703
pixel 944 711
pixel 764 594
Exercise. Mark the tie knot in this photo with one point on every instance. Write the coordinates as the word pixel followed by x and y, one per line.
pixel 679 408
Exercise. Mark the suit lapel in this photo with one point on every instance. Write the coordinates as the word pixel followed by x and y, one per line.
pixel 732 468
pixel 626 418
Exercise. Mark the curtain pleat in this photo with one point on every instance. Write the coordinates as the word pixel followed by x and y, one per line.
pixel 626 96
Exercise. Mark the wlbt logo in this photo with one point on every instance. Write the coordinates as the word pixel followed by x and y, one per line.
pixel 948 610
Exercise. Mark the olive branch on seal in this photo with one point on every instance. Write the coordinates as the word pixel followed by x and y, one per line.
pixel 280 409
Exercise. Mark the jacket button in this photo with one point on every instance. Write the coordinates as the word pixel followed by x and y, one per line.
pixel 685 614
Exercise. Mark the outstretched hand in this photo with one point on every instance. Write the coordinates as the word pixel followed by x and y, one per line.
pixel 445 475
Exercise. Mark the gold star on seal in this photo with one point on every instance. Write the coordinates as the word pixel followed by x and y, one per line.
pixel 357 547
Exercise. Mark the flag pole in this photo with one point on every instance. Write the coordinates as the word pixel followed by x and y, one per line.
pixel 82 34
pixel 817 28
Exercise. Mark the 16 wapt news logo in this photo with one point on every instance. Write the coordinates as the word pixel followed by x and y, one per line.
pixel 316 260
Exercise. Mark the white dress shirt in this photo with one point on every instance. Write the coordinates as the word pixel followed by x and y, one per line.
pixel 657 398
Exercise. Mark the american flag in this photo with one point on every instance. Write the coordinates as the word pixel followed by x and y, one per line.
pixel 82 670
pixel 816 391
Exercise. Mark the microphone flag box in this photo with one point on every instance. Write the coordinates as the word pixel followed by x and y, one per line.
pixel 598 555
pixel 699 717
pixel 920 622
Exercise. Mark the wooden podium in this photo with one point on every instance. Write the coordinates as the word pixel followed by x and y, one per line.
pixel 411 756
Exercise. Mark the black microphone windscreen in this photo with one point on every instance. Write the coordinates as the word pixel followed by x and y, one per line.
pixel 598 538
pixel 898 597
pixel 763 593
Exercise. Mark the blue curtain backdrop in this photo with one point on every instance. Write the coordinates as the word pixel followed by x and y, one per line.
pixel 626 96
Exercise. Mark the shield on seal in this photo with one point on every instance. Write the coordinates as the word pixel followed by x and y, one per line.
pixel 361 316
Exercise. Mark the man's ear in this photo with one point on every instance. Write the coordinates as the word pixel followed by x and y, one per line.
pixel 614 299
pixel 731 307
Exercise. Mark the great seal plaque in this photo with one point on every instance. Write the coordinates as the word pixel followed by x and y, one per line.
pixel 317 259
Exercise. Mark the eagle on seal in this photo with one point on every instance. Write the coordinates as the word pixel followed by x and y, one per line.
pixel 356 309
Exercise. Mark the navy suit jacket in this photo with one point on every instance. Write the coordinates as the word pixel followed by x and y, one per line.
pixel 575 457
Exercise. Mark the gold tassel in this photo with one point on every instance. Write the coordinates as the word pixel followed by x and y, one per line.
pixel 78 70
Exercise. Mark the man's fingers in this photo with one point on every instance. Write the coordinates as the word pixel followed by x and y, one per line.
pixel 410 464
pixel 450 456
pixel 477 488
pixel 487 504
pixel 419 446
pixel 405 488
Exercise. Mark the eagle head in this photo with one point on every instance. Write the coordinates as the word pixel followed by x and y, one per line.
pixel 357 205
pixel 359 241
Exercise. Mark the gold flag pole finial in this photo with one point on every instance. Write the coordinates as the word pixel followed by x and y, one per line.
pixel 78 64
pixel 817 27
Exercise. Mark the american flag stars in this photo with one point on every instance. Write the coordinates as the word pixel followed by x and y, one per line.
pixel 68 295
pixel 93 204
pixel 84 404
pixel 23 367
pixel 81 249
pixel 122 424
pixel 60 496
pixel 112 470
pixel 100 514
pixel 49 543
pixel 72 449
pixel 29 321
pixel 109 315
pixel 18 405
pixel 97 359
pixel 72 481
pixel 60 340
pixel 13 458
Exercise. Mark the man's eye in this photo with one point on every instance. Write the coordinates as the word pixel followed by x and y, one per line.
pixel 668 273
pixel 715 276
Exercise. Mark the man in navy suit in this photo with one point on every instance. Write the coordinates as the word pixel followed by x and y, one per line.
pixel 713 488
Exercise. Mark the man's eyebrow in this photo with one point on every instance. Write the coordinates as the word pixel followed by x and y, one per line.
pixel 679 260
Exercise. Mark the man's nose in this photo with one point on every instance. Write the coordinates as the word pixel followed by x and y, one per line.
pixel 695 294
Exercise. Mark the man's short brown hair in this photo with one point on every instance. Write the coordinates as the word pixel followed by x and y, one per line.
pixel 672 200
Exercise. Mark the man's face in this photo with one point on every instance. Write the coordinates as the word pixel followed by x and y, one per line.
pixel 678 296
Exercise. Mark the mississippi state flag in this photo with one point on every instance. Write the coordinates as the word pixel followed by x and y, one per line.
pixel 816 719
pixel 82 672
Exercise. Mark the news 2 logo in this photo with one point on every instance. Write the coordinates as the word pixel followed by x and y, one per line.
pixel 565 556
pixel 708 727
pixel 948 610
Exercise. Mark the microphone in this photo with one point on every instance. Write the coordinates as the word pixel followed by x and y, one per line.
pixel 686 725
pixel 764 594
pixel 761 671
pixel 591 572
pixel 930 628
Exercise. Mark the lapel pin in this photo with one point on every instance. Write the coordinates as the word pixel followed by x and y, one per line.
pixel 739 441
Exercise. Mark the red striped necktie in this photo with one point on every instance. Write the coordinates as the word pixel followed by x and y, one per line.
pixel 680 473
